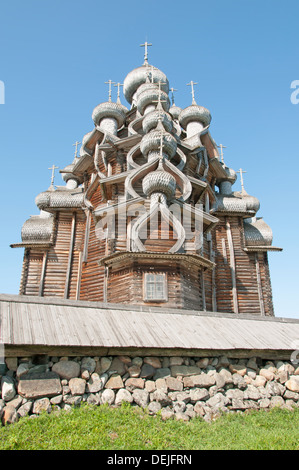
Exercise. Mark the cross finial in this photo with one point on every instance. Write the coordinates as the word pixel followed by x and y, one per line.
pixel 53 168
pixel 241 177
pixel 192 90
pixel 221 151
pixel 118 90
pixel 159 101
pixel 109 83
pixel 172 95
pixel 76 149
pixel 145 45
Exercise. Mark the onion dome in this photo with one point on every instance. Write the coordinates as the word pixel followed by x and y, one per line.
pixel 194 113
pixel 150 96
pixel 231 204
pixel 108 109
pixel 175 111
pixel 257 232
pixel 72 181
pixel 138 76
pixel 159 181
pixel 252 203
pixel 38 228
pixel 151 142
pixel 60 198
pixel 152 119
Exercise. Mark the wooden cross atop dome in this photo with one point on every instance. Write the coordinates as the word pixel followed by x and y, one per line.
pixel 145 45
pixel 192 90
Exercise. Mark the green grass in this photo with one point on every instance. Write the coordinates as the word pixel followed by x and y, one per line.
pixel 128 428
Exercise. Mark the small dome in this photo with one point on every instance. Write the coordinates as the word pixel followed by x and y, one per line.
pixel 109 109
pixel 175 111
pixel 159 181
pixel 38 229
pixel 138 76
pixel 231 175
pixel 152 142
pixel 151 120
pixel 195 113
pixel 227 203
pixel 257 233
pixel 151 95
pixel 252 203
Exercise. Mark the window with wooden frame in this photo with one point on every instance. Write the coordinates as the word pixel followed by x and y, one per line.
pixel 155 287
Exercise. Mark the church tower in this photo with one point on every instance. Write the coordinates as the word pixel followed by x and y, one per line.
pixel 148 214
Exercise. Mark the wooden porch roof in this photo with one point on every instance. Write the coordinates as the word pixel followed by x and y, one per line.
pixel 43 325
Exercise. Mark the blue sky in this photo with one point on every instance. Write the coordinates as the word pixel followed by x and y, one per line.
pixel 56 55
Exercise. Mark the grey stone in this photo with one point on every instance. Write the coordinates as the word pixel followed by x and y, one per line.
pixel 167 413
pixel 203 363
pixel 133 383
pixel 42 385
pixel 176 361
pixel 66 369
pixel 174 384
pixel 185 371
pixel 118 366
pixel 141 397
pixel 226 375
pixel 162 373
pixel 103 365
pixel 276 401
pixel 88 363
pixel 181 416
pixel 202 380
pixel 16 402
pixel 239 381
pixel 217 401
pixel 161 397
pixel 108 396
pixel 77 386
pixel 275 388
pixel 74 400
pixel 9 415
pixel 234 394
pixel 147 371
pixel 154 407
pixel 252 393
pixel 93 399
pixel 95 383
pixel 56 400
pixel 199 409
pixel 25 409
pixel 153 361
pixel 22 369
pixel 12 363
pixel 115 382
pixel 123 396
pixel 150 386
pixel 43 404
pixel 7 388
pixel 199 394
pixel 264 403
pixel 238 404
pixel 161 385
pixel 134 371
pixel 293 384
pixel 179 406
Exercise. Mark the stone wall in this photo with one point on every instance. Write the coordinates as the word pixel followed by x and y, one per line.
pixel 177 387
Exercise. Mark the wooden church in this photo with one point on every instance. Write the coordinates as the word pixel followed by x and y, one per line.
pixel 148 215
